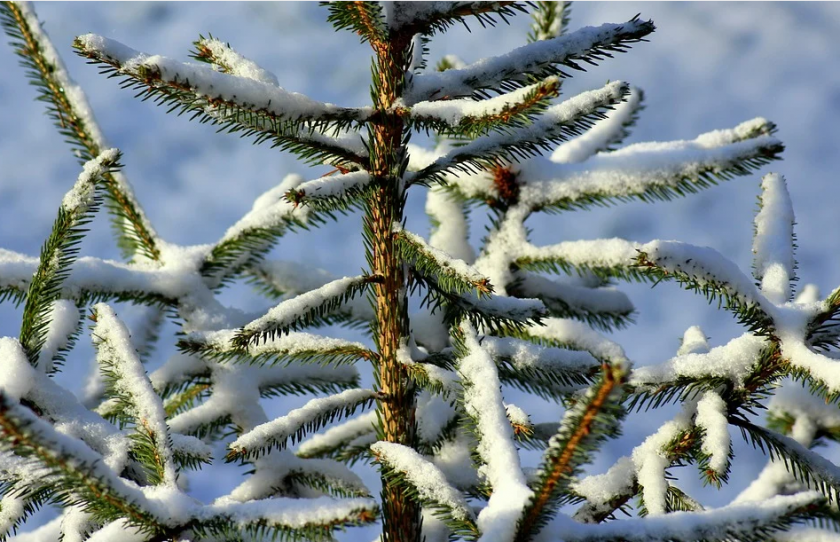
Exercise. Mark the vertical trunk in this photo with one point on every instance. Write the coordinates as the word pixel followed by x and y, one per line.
pixel 401 515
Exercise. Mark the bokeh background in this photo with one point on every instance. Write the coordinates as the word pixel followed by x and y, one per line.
pixel 708 66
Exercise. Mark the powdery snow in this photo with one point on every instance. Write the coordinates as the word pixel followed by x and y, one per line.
pixel 116 353
pixel 606 132
pixel 334 186
pixel 277 431
pixel 431 484
pixel 707 266
pixel 483 402
pixel 451 232
pixel 774 264
pixel 549 125
pixel 206 82
pixel 711 417
pixel 578 336
pixel 449 264
pixel 651 460
pixel 18 376
pixel 81 196
pixel 734 361
pixel 714 524
pixel 291 310
pixel 456 112
pixel 527 355
pixel 693 342
pixel 515 65
pixel 637 169
pixel 64 321
pixel 286 345
pixel 225 59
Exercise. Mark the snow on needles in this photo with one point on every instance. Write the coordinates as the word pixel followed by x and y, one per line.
pixel 546 126
pixel 502 468
pixel 206 82
pixel 517 64
pixel 81 196
pixel 285 427
pixel 225 59
pixel 711 417
pixel 773 243
pixel 334 185
pixel 639 168
pixel 602 135
pixel 116 353
pixel 733 361
pixel 454 112
pixel 289 311
pixel 18 376
pixel 431 484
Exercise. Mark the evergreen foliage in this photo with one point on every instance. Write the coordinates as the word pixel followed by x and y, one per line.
pixel 446 443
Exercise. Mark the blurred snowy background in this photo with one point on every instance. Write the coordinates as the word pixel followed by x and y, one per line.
pixel 708 66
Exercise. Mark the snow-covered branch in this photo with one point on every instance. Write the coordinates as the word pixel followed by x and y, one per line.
pixel 538 59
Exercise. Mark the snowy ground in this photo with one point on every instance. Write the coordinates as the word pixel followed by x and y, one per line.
pixel 708 66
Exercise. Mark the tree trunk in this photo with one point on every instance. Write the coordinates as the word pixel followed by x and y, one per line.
pixel 401 514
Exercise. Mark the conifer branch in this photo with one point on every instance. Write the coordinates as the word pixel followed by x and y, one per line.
pixel 557 124
pixel 606 135
pixel 294 347
pixel 575 336
pixel 223 58
pixel 535 60
pixel 774 242
pixel 807 466
pixel 744 363
pixel 550 20
pixel 92 280
pixel 704 271
pixel 178 402
pixel 747 522
pixel 430 19
pixel 303 379
pixel 311 417
pixel 483 404
pixel 287 120
pixel 314 474
pixel 284 518
pixel 343 441
pixel 586 426
pixel 16 509
pixel 193 87
pixel 189 452
pixel 549 372
pixel 310 308
pixel 74 119
pixel 470 118
pixel 452 275
pixel 77 472
pixel 66 324
pixel 426 484
pixel 606 259
pixel 60 250
pixel 332 192
pixel 128 384
pixel 280 280
pixel 245 243
pixel 363 18
pixel 496 314
pixel 604 308
pixel 649 172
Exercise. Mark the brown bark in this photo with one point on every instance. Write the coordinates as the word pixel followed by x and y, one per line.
pixel 401 514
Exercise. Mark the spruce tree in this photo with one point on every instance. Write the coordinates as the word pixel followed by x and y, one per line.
pixel 435 423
